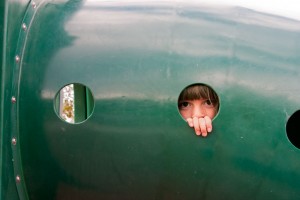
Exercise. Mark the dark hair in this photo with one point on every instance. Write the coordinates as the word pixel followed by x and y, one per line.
pixel 199 91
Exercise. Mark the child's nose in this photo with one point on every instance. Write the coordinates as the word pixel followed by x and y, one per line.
pixel 198 112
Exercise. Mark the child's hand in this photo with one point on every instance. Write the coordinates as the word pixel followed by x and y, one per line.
pixel 202 125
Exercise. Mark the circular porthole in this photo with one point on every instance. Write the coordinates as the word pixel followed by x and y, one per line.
pixel 293 129
pixel 74 103
pixel 198 100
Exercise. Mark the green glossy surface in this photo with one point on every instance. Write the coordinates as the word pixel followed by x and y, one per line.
pixel 136 58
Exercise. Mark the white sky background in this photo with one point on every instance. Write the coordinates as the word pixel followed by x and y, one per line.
pixel 285 8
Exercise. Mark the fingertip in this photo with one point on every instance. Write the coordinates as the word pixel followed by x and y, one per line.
pixel 190 122
pixel 208 124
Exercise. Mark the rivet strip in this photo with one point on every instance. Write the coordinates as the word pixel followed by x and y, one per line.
pixel 16 60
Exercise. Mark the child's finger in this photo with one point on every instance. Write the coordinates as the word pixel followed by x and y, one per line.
pixel 190 122
pixel 208 124
pixel 202 124
pixel 196 126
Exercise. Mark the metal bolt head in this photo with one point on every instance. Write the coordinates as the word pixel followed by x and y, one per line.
pixel 33 4
pixel 14 141
pixel 24 27
pixel 18 179
pixel 17 58
pixel 13 99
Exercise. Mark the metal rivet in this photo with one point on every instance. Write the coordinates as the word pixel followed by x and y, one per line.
pixel 13 99
pixel 33 4
pixel 17 58
pixel 14 141
pixel 24 27
pixel 18 179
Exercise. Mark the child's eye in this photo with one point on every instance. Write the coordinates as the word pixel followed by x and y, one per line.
pixel 184 104
pixel 208 102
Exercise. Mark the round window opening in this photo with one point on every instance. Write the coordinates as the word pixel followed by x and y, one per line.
pixel 293 129
pixel 74 103
pixel 198 100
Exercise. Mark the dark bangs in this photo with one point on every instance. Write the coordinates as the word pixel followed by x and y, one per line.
pixel 198 91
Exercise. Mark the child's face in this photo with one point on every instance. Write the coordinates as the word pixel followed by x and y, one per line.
pixel 197 108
